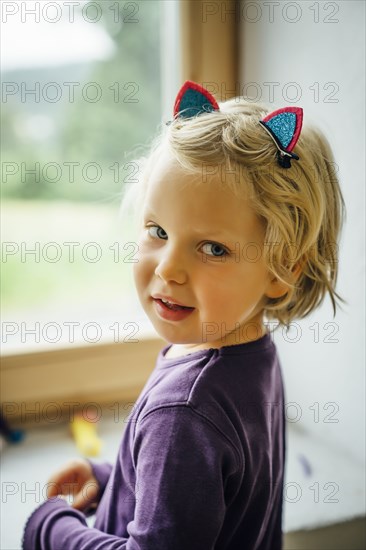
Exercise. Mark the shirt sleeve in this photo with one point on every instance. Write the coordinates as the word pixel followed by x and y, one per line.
pixel 182 464
pixel 55 525
pixel 102 473
pixel 180 459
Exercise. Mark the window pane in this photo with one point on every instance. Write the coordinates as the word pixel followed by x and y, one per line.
pixel 80 85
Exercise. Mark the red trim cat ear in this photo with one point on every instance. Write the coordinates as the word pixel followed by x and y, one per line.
pixel 193 100
pixel 284 127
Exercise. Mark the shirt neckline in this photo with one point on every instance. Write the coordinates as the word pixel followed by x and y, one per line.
pixel 235 349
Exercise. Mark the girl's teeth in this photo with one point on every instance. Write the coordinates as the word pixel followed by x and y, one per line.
pixel 170 305
pixel 173 306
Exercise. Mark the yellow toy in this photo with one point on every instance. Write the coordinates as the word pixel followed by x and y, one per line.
pixel 85 435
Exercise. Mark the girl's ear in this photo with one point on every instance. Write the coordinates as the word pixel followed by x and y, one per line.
pixel 277 289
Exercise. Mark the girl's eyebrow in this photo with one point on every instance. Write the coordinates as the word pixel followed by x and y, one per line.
pixel 221 237
pixel 209 234
pixel 149 213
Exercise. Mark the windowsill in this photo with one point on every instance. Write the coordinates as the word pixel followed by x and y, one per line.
pixel 82 332
pixel 77 373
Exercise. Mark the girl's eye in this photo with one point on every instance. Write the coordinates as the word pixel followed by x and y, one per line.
pixel 216 249
pixel 211 249
pixel 157 231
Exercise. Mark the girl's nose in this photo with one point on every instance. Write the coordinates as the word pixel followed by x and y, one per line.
pixel 171 267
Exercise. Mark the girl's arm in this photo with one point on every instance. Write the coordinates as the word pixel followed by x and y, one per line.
pixel 183 464
pixel 102 474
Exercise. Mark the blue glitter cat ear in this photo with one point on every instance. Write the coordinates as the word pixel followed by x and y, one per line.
pixel 284 127
pixel 193 100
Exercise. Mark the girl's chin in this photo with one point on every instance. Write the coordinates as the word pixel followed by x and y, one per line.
pixel 173 334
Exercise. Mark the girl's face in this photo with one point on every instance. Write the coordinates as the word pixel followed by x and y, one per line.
pixel 202 247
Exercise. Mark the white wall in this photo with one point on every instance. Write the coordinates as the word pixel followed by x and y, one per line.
pixel 274 49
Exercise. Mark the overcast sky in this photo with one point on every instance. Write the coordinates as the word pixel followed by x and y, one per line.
pixel 26 43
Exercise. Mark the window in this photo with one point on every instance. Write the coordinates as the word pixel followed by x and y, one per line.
pixel 80 88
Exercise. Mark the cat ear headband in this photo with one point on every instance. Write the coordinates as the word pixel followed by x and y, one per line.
pixel 283 126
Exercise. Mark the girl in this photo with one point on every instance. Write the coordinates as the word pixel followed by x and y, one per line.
pixel 234 227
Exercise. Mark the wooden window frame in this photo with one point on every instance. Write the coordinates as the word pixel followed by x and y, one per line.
pixel 209 41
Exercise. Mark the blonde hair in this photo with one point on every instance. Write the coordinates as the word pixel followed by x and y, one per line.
pixel 301 206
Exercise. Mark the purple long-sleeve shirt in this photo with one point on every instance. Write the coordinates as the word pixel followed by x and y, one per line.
pixel 200 465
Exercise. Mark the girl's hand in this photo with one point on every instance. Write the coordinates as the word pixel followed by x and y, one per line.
pixel 75 479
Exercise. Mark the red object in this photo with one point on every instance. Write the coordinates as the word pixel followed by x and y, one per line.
pixel 299 116
pixel 190 85
pixel 171 314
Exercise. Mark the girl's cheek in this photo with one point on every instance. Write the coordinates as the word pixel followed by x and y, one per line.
pixel 145 264
pixel 144 244
pixel 142 249
pixel 136 271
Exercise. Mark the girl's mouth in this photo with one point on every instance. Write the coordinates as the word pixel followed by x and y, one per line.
pixel 170 305
pixel 172 312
